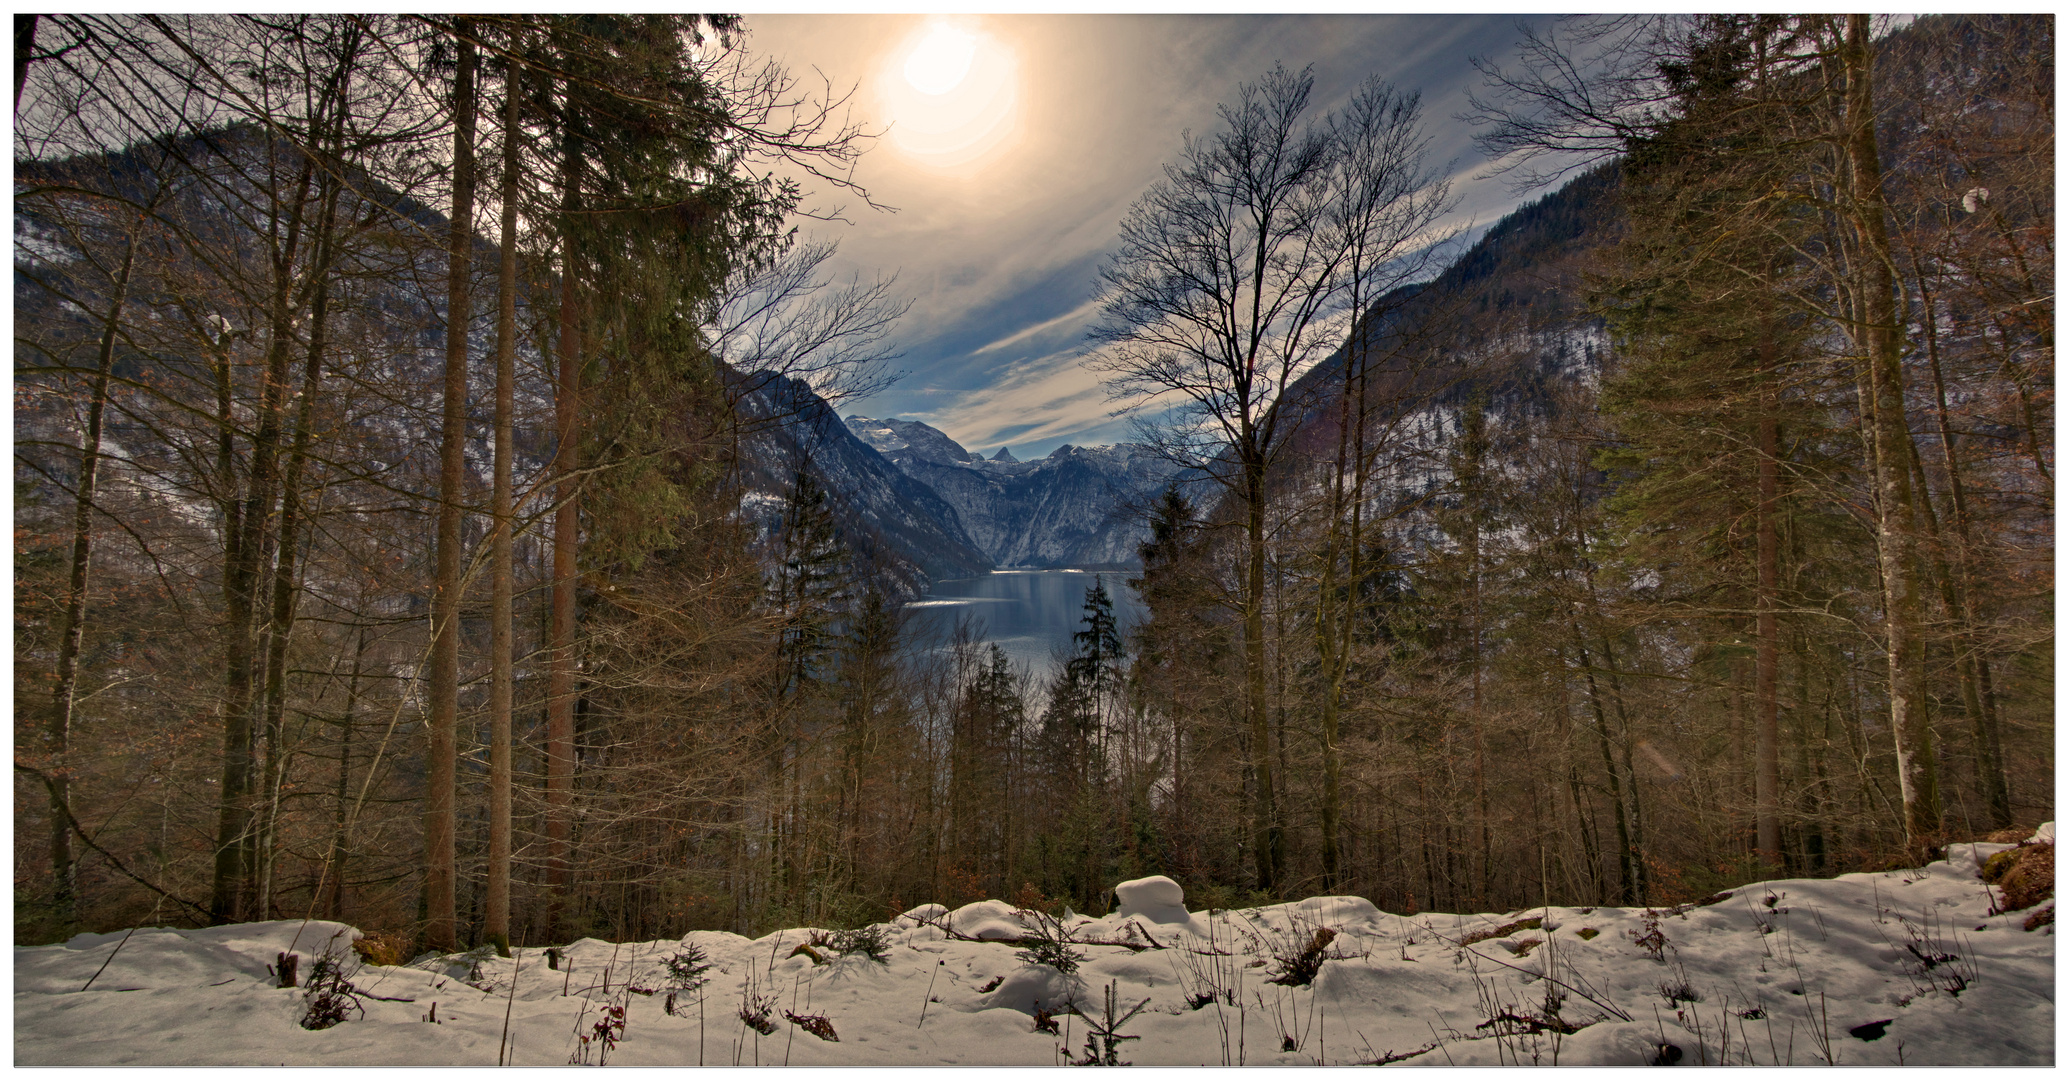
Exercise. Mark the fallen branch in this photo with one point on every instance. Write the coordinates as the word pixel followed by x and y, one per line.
pixel 111 957
pixel 206 916
pixel 1597 1002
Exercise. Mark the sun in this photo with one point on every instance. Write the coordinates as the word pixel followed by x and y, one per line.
pixel 941 60
pixel 951 92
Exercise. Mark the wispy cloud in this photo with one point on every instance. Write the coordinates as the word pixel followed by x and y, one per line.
pixel 1103 103
pixel 1077 315
pixel 1036 401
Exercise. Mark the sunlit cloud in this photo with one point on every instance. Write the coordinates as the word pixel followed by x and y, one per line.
pixel 1047 398
pixel 1006 208
pixel 951 94
pixel 1078 316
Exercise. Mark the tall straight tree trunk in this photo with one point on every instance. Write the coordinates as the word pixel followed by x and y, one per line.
pixel 228 894
pixel 1265 832
pixel 496 916
pixel 1957 583
pixel 280 627
pixel 1335 613
pixel 72 632
pixel 1880 333
pixel 1615 697
pixel 329 124
pixel 441 929
pixel 566 534
pixel 340 835
pixel 1627 858
pixel 1766 776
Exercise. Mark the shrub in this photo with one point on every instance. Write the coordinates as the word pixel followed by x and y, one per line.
pixel 1298 967
pixel 870 941
pixel 1049 942
pixel 2025 874
pixel 382 948
pixel 1030 898
pixel 686 968
pixel 1652 940
pixel 330 997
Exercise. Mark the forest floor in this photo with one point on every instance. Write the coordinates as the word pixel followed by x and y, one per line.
pixel 1900 967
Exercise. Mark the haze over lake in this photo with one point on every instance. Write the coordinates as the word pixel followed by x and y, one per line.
pixel 1029 613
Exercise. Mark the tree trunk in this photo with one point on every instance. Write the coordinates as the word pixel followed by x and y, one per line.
pixel 1265 833
pixel 72 632
pixel 1880 333
pixel 1333 645
pixel 341 820
pixel 1957 585
pixel 1626 853
pixel 280 627
pixel 566 534
pixel 1766 776
pixel 441 930
pixel 228 896
pixel 496 917
pixel 24 53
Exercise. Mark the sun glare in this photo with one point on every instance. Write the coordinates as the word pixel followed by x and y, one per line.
pixel 951 93
pixel 941 60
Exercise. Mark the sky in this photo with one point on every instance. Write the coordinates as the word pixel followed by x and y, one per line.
pixel 1011 148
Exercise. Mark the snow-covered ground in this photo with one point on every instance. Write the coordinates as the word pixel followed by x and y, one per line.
pixel 1868 969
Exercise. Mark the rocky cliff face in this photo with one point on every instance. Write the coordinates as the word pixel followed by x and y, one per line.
pixel 1076 507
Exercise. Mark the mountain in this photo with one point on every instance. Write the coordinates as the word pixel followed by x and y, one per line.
pixel 894 524
pixel 1075 507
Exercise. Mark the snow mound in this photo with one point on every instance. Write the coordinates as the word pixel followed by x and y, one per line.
pixel 1794 969
pixel 1157 899
pixel 1033 987
pixel 988 920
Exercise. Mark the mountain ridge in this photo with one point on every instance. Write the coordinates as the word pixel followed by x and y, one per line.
pixel 1073 508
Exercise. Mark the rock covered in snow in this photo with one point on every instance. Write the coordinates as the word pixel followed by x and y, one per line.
pixel 1158 899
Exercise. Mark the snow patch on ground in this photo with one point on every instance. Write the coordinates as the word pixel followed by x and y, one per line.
pixel 1904 967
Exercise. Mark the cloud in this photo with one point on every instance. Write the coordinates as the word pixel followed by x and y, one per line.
pixel 1077 315
pixel 989 249
pixel 1035 402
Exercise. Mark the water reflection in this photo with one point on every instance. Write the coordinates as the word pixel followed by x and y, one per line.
pixel 1029 613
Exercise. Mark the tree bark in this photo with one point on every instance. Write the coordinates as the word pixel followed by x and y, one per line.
pixel 24 53
pixel 1766 776
pixel 72 632
pixel 1957 583
pixel 441 930
pixel 280 627
pixel 1879 332
pixel 566 535
pixel 341 821
pixel 1333 640
pixel 496 916
pixel 233 856
pixel 1265 832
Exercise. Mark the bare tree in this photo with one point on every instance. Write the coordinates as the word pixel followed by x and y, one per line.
pixel 1236 275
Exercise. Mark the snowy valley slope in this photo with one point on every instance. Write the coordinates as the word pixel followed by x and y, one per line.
pixel 1899 967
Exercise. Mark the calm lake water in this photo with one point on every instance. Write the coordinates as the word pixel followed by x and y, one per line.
pixel 1030 613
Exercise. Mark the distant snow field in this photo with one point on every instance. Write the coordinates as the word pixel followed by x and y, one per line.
pixel 1905 967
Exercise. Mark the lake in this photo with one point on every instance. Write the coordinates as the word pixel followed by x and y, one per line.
pixel 1029 613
